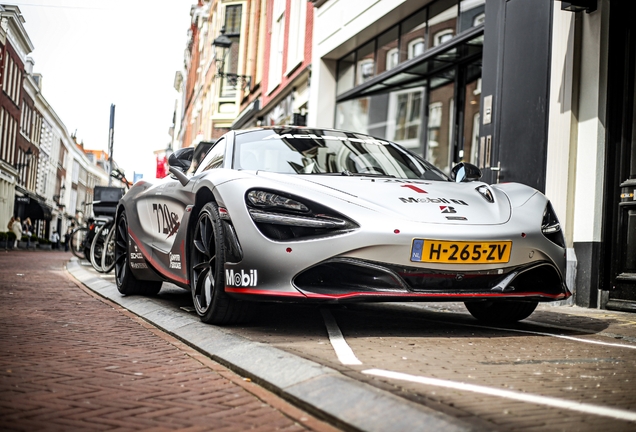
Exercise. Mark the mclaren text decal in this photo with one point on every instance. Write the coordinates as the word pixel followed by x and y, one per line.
pixel 167 221
pixel 242 279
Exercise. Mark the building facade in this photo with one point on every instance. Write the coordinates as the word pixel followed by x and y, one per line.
pixel 45 175
pixel 534 91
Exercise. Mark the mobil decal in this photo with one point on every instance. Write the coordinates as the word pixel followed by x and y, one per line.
pixel 241 279
pixel 167 221
pixel 427 200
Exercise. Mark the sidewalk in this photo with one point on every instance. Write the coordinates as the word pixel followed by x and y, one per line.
pixel 71 360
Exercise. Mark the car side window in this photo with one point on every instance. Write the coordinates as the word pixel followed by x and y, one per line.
pixel 214 158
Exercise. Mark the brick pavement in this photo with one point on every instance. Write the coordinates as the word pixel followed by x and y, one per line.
pixel 72 361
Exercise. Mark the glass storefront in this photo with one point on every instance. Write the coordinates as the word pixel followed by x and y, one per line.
pixel 430 104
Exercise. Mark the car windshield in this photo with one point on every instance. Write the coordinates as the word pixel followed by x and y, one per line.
pixel 328 152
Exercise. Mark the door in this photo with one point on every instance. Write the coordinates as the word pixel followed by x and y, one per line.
pixel 620 236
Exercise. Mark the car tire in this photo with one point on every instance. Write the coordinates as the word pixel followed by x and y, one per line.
pixel 207 277
pixel 501 312
pixel 126 281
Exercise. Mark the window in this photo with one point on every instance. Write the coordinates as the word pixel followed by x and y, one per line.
pixel 214 158
pixel 387 53
pixel 365 63
pixel 413 29
pixel 232 24
pixel 276 46
pixel 443 36
pixel 346 68
pixel 405 117
pixel 296 38
pixel 416 48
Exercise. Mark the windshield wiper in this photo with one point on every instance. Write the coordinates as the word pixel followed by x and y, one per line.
pixel 348 174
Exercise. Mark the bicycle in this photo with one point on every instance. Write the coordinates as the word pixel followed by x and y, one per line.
pixel 82 238
pixel 102 249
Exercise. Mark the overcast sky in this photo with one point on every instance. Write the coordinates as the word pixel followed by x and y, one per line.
pixel 94 53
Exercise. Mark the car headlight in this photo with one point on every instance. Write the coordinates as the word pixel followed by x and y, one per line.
pixel 259 198
pixel 551 227
pixel 283 217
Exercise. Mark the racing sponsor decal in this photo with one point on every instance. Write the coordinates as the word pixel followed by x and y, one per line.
pixel 242 279
pixel 427 200
pixel 392 180
pixel 456 218
pixel 447 209
pixel 175 261
pixel 167 221
pixel 138 265
pixel 414 188
pixel 136 255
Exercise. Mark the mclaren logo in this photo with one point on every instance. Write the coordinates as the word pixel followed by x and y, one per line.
pixel 242 279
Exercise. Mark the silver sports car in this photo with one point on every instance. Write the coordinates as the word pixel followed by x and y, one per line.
pixel 299 214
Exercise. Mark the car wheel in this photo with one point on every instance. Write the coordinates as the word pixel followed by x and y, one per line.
pixel 127 283
pixel 501 312
pixel 207 265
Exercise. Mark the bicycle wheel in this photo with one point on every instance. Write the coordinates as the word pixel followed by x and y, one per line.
pixel 78 237
pixel 108 254
pixel 97 247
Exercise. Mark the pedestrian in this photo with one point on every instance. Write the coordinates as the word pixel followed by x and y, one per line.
pixel 27 227
pixel 17 230
pixel 55 239
pixel 10 224
pixel 67 240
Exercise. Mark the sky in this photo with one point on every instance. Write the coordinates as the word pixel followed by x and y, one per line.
pixel 94 53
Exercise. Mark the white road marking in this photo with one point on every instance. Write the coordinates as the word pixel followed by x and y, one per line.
pixel 340 346
pixel 576 339
pixel 508 394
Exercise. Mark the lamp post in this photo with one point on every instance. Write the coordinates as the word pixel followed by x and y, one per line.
pixel 58 198
pixel 222 45
pixel 29 155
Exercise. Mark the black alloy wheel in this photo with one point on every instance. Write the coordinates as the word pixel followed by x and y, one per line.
pixel 126 281
pixel 208 254
pixel 501 311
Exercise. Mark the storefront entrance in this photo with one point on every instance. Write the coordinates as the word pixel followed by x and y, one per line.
pixel 620 233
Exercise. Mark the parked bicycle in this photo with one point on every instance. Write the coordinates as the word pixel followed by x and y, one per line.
pixel 102 246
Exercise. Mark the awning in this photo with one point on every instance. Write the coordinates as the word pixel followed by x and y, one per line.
pixel 32 208
pixel 415 72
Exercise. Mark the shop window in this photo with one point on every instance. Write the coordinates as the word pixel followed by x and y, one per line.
pixel 387 53
pixel 405 117
pixel 413 28
pixel 346 70
pixel 232 25
pixel 442 36
pixel 365 67
pixel 416 48
pixel 442 21
pixel 471 14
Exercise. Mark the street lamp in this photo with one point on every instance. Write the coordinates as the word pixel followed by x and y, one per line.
pixel 222 45
pixel 59 197
pixel 29 155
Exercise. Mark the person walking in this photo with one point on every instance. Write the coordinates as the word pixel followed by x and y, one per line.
pixel 17 230
pixel 55 239
pixel 67 239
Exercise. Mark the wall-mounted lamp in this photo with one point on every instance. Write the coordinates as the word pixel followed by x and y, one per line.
pixel 29 155
pixel 222 45
pixel 579 5
pixel 58 198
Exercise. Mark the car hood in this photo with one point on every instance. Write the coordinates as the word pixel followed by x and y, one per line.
pixel 415 200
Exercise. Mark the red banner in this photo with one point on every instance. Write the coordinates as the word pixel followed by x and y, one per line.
pixel 162 167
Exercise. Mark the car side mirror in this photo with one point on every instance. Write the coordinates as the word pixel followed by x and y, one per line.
pixel 465 172
pixel 181 159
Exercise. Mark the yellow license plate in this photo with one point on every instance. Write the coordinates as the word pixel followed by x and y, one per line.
pixel 460 252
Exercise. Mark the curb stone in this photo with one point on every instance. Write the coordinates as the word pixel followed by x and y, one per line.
pixel 323 391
